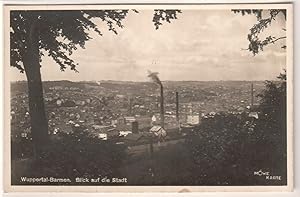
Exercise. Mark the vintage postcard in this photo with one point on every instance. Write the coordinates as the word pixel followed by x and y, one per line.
pixel 148 98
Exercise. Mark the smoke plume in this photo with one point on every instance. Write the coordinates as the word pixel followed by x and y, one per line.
pixel 154 77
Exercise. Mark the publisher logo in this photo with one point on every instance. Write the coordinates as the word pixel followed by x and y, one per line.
pixel 261 173
pixel 267 175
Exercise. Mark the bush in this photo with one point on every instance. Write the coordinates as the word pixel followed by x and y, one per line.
pixel 228 148
pixel 77 155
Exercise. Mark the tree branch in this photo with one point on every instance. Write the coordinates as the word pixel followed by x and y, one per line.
pixel 283 37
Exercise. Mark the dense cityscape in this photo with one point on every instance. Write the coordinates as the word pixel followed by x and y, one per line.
pixel 113 109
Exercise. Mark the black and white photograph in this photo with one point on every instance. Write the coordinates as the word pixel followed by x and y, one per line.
pixel 120 96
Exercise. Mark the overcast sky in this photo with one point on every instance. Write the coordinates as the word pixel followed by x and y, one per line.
pixel 200 45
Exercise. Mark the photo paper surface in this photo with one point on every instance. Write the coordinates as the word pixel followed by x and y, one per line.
pixel 148 98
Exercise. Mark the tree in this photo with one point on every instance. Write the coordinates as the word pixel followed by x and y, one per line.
pixel 230 144
pixel 255 43
pixel 36 33
pixel 273 106
pixel 273 98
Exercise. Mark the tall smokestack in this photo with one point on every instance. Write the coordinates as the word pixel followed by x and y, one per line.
pixel 153 76
pixel 130 106
pixel 252 99
pixel 162 111
pixel 177 106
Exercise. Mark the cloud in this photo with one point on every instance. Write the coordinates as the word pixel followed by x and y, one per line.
pixel 199 45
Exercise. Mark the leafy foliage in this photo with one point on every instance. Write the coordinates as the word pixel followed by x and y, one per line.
pixel 77 155
pixel 230 147
pixel 164 15
pixel 61 32
pixel 255 43
pixel 217 147
pixel 273 98
pixel 274 109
